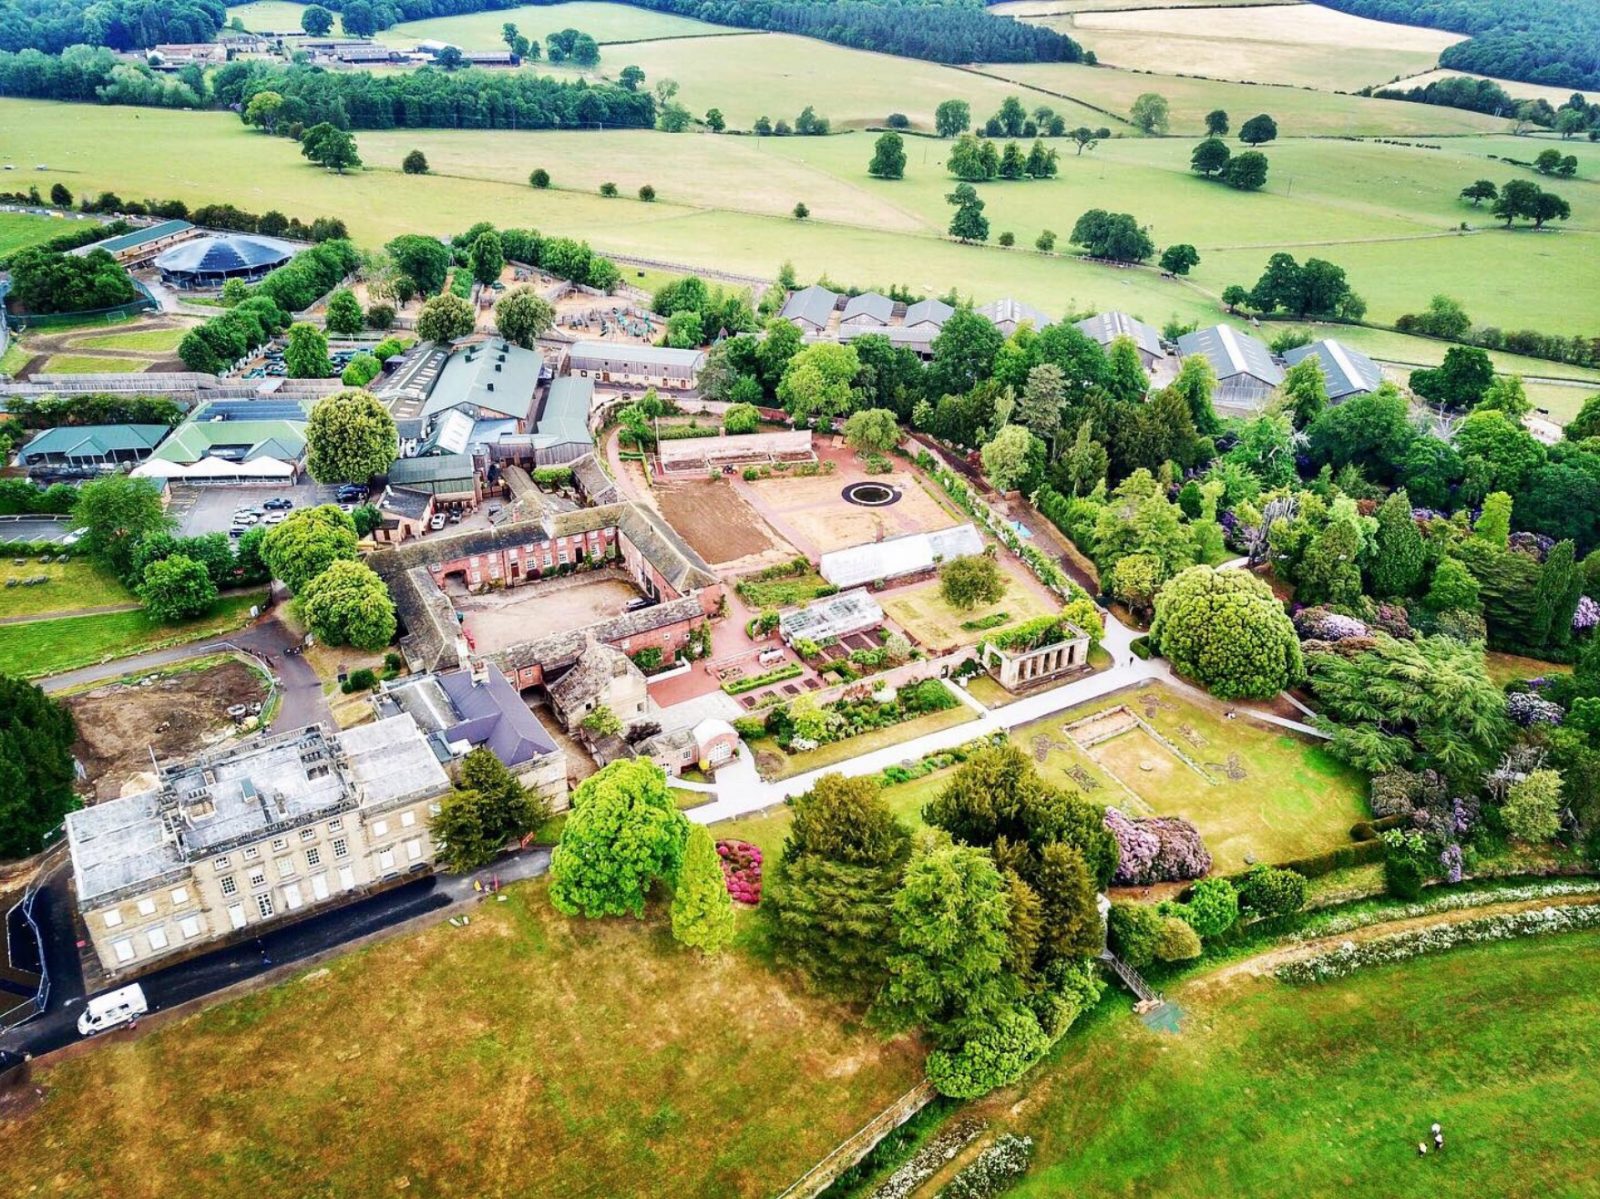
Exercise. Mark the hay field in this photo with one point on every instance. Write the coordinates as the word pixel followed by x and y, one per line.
pixel 1302 44
pixel 276 16
pixel 606 23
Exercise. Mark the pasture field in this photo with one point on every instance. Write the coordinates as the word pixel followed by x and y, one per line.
pixel 21 229
pixel 276 16
pixel 73 586
pixel 523 1053
pixel 1301 44
pixel 606 23
pixel 1326 1089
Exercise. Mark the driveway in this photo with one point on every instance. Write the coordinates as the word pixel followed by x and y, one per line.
pixel 34 528
pixel 210 509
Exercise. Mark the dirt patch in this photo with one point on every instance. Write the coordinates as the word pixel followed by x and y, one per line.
pixel 816 518
pixel 517 615
pixel 121 723
pixel 715 520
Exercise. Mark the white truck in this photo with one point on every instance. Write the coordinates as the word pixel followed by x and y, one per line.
pixel 112 1009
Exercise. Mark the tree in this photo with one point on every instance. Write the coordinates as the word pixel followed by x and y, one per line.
pixel 487 258
pixel 116 513
pixel 952 117
pixel 1398 553
pixel 445 318
pixel 1227 631
pixel 1483 189
pixel 1216 123
pixel 1258 130
pixel 1532 810
pixel 715 121
pixel 1085 139
pixel 316 20
pixel 523 316
pixel 490 809
pixel 874 430
pixel 36 766
pixel 1113 235
pixel 1556 596
pixel 350 437
pixel 1246 172
pixel 415 163
pixel 817 381
pixel 1195 381
pixel 176 588
pixel 423 260
pixel 623 835
pixel 971 581
pixel 631 77
pixel 800 211
pixel 263 109
pixel 1086 462
pixel 330 147
pixel 949 931
pixel 1494 522
pixel 1210 156
pixel 702 911
pixel 1149 113
pixel 1269 891
pixel 307 542
pixel 1459 382
pixel 348 604
pixel 1039 409
pixel 968 223
pixel 1330 572
pixel 305 355
pixel 1234 296
pixel 1006 457
pixel 344 313
pixel 1177 259
pixel 539 178
pixel 1212 907
pixel 1453 588
pixel 888 157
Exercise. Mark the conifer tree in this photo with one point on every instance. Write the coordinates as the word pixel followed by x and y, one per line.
pixel 702 912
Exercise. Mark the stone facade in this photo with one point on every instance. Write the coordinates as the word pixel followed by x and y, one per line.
pixel 1020 669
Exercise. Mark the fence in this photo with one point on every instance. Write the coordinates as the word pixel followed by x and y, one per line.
pixel 51 320
pixel 855 1147
pixel 28 987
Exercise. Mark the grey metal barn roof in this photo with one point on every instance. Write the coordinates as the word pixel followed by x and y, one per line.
pixel 564 415
pixel 1233 353
pixel 869 304
pixel 931 312
pixel 813 304
pixel 1345 369
pixel 1106 327
pixel 1015 312
pixel 219 253
pixel 433 473
pixel 627 358
pixel 491 376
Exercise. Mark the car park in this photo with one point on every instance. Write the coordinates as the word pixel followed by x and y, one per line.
pixel 274 518
pixel 278 502
pixel 245 518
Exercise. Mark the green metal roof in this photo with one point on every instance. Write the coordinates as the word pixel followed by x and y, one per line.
pixel 85 440
pixel 137 237
pixel 565 414
pixel 195 440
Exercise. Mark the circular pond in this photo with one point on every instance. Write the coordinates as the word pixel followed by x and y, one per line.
pixel 871 495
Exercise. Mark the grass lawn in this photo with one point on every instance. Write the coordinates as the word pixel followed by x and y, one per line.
pixel 776 764
pixel 91 364
pixel 14 358
pixel 524 1054
pixel 1510 668
pixel 769 829
pixel 44 647
pixel 1326 1090
pixel 274 16
pixel 161 340
pixel 73 586
pixel 19 229
pixel 935 623
pixel 1293 799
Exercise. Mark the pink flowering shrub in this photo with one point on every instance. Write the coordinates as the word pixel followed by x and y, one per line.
pixel 741 867
pixel 1586 615
pixel 1161 849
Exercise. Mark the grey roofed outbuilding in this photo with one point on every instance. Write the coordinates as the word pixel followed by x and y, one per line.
pixel 490 376
pixel 1106 327
pixel 564 415
pixel 869 305
pixel 1346 371
pixel 409 502
pixel 1015 312
pixel 95 443
pixel 628 359
pixel 1232 353
pixel 456 707
pixel 224 253
pixel 928 312
pixel 434 473
pixel 811 305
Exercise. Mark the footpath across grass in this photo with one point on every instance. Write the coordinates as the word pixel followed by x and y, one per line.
pixel 524 1054
pixel 37 648
pixel 1326 1090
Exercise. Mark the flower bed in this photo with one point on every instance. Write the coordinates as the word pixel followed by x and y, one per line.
pixel 1352 956
pixel 741 869
pixel 993 1171
pixel 930 1159
pixel 1450 901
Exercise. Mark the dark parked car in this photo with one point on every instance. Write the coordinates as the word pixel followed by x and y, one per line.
pixel 277 502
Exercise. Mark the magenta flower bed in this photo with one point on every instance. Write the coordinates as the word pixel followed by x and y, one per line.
pixel 741 867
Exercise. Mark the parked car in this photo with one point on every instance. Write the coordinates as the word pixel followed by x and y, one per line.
pixel 279 502
pixel 242 519
pixel 437 522
pixel 113 1009
pixel 249 511
pixel 274 518
pixel 455 518
pixel 237 531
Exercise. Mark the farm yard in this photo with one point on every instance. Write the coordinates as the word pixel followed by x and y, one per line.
pixel 502 618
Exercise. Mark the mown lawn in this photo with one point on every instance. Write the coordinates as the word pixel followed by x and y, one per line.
pixel 935 622
pixel 1511 668
pixel 770 828
pixel 526 1054
pixel 93 364
pixel 44 647
pixel 73 586
pixel 1326 1090
pixel 161 340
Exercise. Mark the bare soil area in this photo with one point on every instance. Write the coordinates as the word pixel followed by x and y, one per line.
pixel 517 615
pixel 715 519
pixel 814 516
pixel 120 724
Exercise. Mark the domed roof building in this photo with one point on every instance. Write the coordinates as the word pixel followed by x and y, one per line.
pixel 210 261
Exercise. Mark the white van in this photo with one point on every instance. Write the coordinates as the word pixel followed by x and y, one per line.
pixel 112 1009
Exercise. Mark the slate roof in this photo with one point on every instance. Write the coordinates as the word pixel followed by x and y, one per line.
pixel 219 253
pixel 1345 370
pixel 590 675
pixel 658 541
pixel 1233 353
pixel 932 312
pixel 624 357
pixel 813 305
pixel 92 440
pixel 454 708
pixel 592 480
pixel 492 376
pixel 871 305
pixel 1106 327
pixel 405 501
pixel 1009 311
pixel 564 414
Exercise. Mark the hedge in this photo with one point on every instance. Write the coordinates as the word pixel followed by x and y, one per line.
pixel 1361 853
pixel 1368 830
pixel 30 548
pixel 1140 647
pixel 740 686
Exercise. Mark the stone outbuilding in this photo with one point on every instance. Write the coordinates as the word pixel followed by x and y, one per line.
pixel 602 677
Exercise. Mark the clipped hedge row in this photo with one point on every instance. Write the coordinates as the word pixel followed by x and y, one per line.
pixel 740 686
pixel 30 548
pixel 1369 830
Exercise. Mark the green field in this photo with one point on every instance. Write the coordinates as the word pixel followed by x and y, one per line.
pixel 274 16
pixel 73 586
pixel 89 364
pixel 161 340
pixel 523 1054
pixel 604 22
pixel 776 763
pixel 45 647
pixel 19 229
pixel 1326 1090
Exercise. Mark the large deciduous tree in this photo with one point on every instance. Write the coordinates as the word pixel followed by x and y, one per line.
pixel 305 354
pixel 348 604
pixel 307 542
pixel 116 513
pixel 972 580
pixel 523 316
pixel 1227 631
pixel 817 381
pixel 344 313
pixel 36 768
pixel 176 588
pixel 888 157
pixel 350 437
pixel 874 430
pixel 624 835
